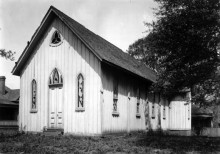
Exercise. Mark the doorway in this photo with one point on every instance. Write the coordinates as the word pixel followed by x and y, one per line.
pixel 56 100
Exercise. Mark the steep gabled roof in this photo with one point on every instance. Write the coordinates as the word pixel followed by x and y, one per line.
pixel 103 49
pixel 11 96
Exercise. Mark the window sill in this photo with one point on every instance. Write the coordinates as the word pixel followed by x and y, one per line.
pixel 33 111
pixel 80 109
pixel 115 114
pixel 138 115
pixel 59 85
pixel 55 45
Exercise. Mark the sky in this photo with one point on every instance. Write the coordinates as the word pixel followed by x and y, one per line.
pixel 121 22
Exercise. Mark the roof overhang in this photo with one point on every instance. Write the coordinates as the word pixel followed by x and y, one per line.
pixel 202 116
pixel 29 49
pixel 50 15
pixel 31 45
pixel 7 103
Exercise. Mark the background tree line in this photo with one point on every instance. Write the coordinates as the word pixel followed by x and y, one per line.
pixel 182 47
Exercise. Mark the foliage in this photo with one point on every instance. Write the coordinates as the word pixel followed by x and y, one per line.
pixel 143 51
pixel 182 43
pixel 127 143
pixel 7 54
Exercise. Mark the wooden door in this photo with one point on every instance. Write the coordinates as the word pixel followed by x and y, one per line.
pixel 55 108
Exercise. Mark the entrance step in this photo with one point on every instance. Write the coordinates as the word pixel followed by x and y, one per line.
pixel 9 127
pixel 53 132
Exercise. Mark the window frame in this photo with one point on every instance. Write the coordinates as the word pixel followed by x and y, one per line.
pixel 153 106
pixel 138 115
pixel 189 114
pixel 115 97
pixel 164 111
pixel 33 82
pixel 51 83
pixel 77 107
pixel 52 37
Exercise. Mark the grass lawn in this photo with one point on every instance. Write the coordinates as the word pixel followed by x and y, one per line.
pixel 13 142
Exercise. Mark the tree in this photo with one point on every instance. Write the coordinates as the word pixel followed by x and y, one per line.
pixel 142 51
pixel 7 54
pixel 182 44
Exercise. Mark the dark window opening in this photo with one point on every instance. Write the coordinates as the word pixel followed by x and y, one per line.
pixel 56 38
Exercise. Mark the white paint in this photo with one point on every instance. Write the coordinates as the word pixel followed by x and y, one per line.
pixel 71 58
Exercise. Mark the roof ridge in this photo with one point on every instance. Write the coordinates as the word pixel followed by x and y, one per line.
pixel 101 47
pixel 138 64
pixel 89 30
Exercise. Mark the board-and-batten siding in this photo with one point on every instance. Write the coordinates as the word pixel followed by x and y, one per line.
pixel 70 58
pixel 178 115
pixel 127 88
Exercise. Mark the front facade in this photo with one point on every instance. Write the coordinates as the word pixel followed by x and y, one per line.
pixel 72 79
pixel 56 70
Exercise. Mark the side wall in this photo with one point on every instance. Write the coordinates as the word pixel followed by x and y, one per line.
pixel 156 112
pixel 160 118
pixel 176 116
pixel 126 121
pixel 71 58
pixel 180 114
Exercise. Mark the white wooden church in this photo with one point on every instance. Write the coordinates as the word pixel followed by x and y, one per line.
pixel 75 81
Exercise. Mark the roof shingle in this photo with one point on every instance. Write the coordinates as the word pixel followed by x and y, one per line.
pixel 106 51
pixel 11 95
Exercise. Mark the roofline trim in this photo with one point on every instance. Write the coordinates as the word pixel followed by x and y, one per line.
pixel 53 13
pixel 74 31
pixel 117 66
pixel 34 36
pixel 36 33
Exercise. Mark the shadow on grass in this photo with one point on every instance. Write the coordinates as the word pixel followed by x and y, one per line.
pixel 179 144
pixel 151 142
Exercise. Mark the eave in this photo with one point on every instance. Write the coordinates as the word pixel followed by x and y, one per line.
pixel 50 15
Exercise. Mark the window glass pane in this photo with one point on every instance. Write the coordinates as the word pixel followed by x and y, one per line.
pixel 55 77
pixel 115 95
pixel 56 38
pixel 34 94
pixel 80 101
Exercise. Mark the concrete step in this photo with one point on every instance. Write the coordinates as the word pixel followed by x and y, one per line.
pixel 53 132
pixel 8 127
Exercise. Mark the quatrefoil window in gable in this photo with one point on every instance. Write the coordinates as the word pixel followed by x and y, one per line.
pixel 56 39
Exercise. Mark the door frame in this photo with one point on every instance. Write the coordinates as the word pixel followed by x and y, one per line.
pixel 48 95
pixel 48 119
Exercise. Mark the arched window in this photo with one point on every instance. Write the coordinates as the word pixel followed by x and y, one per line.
pixel 80 106
pixel 164 111
pixel 115 97
pixel 138 115
pixel 55 79
pixel 34 96
pixel 153 106
pixel 56 39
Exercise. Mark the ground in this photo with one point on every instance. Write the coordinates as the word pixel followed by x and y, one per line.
pixel 15 142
